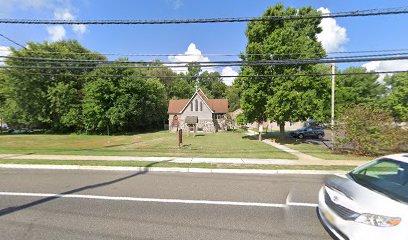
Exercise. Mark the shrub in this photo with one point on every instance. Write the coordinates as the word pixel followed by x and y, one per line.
pixel 367 130
pixel 241 120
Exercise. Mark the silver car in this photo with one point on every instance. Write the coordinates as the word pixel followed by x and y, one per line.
pixel 370 202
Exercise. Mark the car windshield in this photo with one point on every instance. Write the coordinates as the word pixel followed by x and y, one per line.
pixel 387 176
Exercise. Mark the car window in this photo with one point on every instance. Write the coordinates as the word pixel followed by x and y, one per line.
pixel 386 176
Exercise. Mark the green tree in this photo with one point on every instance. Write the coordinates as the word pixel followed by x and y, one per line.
pixel 181 89
pixel 166 76
pixel 279 98
pixel 219 89
pixel 358 88
pixel 193 72
pixel 123 104
pixel 47 98
pixel 396 98
pixel 233 96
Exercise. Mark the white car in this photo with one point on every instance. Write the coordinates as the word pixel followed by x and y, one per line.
pixel 370 202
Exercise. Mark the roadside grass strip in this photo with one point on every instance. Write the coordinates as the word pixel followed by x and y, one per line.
pixel 152 165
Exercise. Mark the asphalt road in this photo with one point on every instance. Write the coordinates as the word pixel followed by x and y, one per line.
pixel 157 205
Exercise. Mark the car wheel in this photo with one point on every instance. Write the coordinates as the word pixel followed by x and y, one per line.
pixel 320 136
pixel 301 136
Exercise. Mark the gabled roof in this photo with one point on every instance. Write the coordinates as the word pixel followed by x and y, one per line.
pixel 218 105
pixel 175 106
pixel 202 95
pixel 215 105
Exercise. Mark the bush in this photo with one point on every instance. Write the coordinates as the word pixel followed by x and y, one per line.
pixel 366 130
pixel 241 120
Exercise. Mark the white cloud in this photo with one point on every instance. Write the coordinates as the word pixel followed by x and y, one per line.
pixel 4 51
pixel 193 54
pixel 63 14
pixel 175 3
pixel 382 66
pixel 8 5
pixel 333 36
pixel 57 33
pixel 79 28
pixel 228 71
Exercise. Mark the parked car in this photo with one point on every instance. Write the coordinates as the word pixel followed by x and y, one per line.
pixel 21 131
pixel 370 202
pixel 308 132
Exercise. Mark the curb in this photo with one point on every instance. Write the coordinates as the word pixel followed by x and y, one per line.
pixel 171 170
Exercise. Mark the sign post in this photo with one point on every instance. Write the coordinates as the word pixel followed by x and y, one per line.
pixel 180 137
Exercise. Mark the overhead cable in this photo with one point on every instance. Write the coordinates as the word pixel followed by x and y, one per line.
pixel 93 61
pixel 11 40
pixel 210 54
pixel 220 76
pixel 356 13
pixel 231 63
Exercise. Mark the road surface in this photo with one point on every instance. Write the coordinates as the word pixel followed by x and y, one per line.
pixel 126 205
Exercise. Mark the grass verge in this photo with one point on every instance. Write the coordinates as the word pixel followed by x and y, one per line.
pixel 174 165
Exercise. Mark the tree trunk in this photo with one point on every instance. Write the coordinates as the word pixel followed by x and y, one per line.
pixel 281 128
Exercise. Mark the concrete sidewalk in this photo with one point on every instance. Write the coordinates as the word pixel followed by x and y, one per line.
pixel 247 161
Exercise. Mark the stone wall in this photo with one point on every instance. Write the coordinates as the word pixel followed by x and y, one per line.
pixel 204 125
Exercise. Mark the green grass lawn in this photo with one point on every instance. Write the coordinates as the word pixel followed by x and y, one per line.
pixel 175 165
pixel 156 144
pixel 324 153
pixel 318 151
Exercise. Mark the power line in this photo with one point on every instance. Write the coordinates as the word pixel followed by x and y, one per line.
pixel 357 13
pixel 234 63
pixel 11 40
pixel 207 55
pixel 65 60
pixel 220 76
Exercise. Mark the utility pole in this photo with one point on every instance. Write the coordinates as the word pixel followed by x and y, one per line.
pixel 333 71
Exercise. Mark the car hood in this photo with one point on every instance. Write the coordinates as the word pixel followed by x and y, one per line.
pixel 358 198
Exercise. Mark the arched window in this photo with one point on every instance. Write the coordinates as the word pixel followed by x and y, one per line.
pixel 196 105
pixel 201 106
pixel 191 106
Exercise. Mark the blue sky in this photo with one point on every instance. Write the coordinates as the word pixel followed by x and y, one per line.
pixel 362 33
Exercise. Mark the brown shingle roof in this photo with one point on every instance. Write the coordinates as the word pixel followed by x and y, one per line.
pixel 218 105
pixel 175 106
pixel 202 95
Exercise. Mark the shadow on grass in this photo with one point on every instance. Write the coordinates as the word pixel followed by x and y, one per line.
pixel 10 210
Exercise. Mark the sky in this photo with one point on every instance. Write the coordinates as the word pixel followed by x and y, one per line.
pixel 343 34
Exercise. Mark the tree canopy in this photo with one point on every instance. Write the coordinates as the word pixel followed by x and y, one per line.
pixel 67 100
pixel 396 98
pixel 281 98
pixel 357 89
pixel 46 98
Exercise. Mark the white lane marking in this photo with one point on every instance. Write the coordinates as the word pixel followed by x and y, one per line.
pixel 159 200
pixel 296 204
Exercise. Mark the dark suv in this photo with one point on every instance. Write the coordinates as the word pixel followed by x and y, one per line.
pixel 308 132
